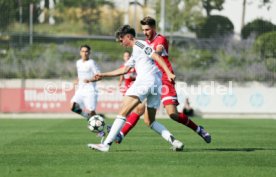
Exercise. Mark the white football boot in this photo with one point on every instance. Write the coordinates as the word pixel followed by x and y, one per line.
pixel 99 147
pixel 177 145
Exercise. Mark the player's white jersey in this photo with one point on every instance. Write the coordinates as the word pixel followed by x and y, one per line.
pixel 142 61
pixel 86 70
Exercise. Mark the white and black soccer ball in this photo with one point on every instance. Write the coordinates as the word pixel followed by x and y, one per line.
pixel 96 123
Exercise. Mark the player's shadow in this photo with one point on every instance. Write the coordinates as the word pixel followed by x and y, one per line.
pixel 236 149
pixel 212 149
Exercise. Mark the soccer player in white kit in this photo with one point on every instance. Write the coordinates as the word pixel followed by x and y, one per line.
pixel 147 86
pixel 84 101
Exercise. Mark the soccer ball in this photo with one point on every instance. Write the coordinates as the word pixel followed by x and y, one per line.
pixel 96 123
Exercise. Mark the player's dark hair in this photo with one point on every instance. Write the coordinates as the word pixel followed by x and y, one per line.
pixel 122 31
pixel 86 46
pixel 148 21
pixel 126 51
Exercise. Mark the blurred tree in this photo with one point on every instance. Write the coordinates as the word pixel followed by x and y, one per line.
pixel 266 3
pixel 195 20
pixel 257 27
pixel 85 3
pixel 265 47
pixel 173 15
pixel 88 11
pixel 215 26
pixel 210 5
pixel 189 12
pixel 193 16
pixel 107 26
pixel 18 10
pixel 7 13
pixel 23 14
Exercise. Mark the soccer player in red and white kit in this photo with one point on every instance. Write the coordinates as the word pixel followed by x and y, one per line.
pixel 127 78
pixel 145 87
pixel 168 96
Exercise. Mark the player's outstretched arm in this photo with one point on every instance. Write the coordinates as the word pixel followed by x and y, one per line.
pixel 117 72
pixel 162 63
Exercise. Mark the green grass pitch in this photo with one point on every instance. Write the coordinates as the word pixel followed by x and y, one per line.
pixel 57 148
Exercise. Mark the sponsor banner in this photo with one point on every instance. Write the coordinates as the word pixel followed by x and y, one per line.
pixel 48 96
pixel 36 100
pixel 214 98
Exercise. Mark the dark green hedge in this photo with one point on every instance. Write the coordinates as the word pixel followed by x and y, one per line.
pixel 257 27
pixel 215 26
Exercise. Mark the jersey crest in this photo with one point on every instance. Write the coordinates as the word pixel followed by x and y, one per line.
pixel 148 50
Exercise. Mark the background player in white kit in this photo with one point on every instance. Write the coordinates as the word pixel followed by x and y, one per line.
pixel 84 101
pixel 147 87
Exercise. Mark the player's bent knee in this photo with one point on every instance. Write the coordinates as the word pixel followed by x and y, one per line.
pixel 140 110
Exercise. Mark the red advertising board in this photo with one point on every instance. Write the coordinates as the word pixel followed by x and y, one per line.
pixel 36 100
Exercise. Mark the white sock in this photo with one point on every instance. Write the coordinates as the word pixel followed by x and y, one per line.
pixel 115 129
pixel 163 131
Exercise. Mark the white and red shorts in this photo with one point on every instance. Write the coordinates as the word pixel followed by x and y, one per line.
pixel 168 94
pixel 147 88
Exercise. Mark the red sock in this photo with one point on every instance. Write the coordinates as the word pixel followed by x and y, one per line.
pixel 131 121
pixel 183 119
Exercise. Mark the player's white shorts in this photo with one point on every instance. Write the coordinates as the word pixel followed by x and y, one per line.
pixel 86 99
pixel 147 88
